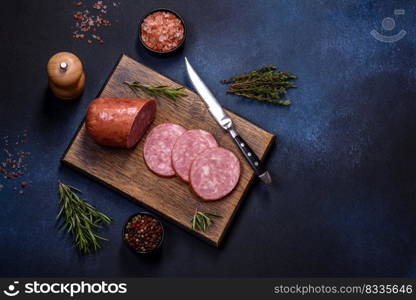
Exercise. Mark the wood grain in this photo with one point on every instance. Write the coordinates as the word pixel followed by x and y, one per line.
pixel 125 170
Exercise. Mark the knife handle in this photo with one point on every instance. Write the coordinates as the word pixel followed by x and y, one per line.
pixel 249 154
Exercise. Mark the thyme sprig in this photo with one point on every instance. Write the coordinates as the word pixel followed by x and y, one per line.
pixel 202 220
pixel 264 84
pixel 81 219
pixel 157 90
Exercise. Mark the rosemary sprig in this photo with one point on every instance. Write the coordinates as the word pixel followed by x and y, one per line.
pixel 157 90
pixel 81 219
pixel 202 220
pixel 264 84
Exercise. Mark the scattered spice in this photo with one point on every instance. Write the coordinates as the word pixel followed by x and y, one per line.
pixel 157 90
pixel 143 233
pixel 162 31
pixel 264 84
pixel 13 159
pixel 202 220
pixel 90 19
pixel 81 219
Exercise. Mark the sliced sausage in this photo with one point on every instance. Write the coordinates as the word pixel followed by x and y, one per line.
pixel 186 149
pixel 214 173
pixel 158 146
pixel 119 122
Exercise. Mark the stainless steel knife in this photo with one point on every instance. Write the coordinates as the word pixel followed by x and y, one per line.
pixel 226 123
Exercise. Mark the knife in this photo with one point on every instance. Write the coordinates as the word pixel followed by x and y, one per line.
pixel 226 123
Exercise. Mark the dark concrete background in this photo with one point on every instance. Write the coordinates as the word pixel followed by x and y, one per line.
pixel 343 200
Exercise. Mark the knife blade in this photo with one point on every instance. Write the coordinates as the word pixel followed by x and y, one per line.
pixel 221 117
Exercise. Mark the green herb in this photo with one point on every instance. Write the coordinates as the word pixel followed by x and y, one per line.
pixel 81 219
pixel 202 220
pixel 157 90
pixel 264 84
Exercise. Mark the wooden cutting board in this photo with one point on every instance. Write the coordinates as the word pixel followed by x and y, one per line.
pixel 125 170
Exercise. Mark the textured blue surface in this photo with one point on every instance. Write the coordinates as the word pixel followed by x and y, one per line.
pixel 343 201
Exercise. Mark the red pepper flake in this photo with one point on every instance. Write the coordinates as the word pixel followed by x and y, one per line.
pixel 143 233
pixel 162 31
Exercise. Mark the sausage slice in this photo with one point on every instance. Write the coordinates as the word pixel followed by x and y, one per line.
pixel 157 150
pixel 186 149
pixel 214 173
pixel 119 122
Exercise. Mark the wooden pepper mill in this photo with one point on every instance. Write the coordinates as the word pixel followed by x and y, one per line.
pixel 66 75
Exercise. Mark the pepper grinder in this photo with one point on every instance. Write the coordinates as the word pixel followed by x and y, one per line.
pixel 66 75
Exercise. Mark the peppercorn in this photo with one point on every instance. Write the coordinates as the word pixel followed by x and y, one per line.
pixel 143 233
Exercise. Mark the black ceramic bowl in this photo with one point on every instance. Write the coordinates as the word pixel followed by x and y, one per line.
pixel 163 53
pixel 154 250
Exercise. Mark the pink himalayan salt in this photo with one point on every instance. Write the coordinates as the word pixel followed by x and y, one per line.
pixel 162 31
